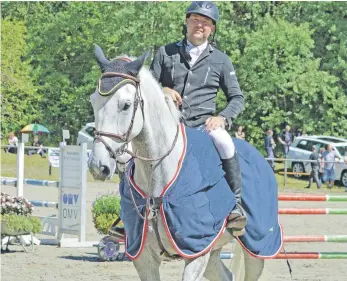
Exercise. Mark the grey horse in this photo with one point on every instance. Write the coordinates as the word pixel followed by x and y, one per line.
pixel 149 122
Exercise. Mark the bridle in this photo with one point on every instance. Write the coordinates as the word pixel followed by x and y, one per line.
pixel 152 203
pixel 128 79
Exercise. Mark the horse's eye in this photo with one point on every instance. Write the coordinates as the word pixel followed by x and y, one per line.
pixel 127 105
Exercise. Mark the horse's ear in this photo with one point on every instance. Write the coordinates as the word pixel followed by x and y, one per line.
pixel 100 57
pixel 136 65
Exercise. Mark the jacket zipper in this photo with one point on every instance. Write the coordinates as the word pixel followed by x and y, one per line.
pixel 208 70
pixel 173 71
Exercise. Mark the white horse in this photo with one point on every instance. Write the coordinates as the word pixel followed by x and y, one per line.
pixel 129 105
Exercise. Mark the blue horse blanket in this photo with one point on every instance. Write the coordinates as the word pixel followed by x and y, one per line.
pixel 194 206
pixel 197 201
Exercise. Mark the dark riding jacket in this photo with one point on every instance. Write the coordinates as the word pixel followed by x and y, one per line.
pixel 198 84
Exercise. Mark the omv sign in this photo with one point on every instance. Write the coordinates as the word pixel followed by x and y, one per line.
pixel 70 199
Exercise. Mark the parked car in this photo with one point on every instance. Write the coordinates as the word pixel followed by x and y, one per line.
pixel 301 149
pixel 86 135
pixel 330 139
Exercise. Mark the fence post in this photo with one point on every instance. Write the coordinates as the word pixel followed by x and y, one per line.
pixel 20 169
pixel 285 172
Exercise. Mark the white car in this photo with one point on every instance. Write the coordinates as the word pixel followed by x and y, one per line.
pixel 301 149
pixel 86 135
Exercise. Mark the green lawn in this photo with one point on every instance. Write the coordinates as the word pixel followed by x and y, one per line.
pixel 37 168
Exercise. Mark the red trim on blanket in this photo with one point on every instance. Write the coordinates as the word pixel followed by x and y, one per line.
pixel 178 250
pixel 168 233
pixel 179 166
pixel 139 191
pixel 263 257
pixel 143 240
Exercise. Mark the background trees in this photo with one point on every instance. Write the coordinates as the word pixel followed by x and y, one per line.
pixel 290 59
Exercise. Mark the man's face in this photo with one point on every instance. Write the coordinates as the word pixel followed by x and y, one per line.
pixel 329 148
pixel 287 128
pixel 199 28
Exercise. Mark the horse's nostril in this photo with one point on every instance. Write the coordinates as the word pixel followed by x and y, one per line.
pixel 105 170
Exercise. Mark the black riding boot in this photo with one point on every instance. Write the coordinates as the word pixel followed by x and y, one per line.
pixel 232 171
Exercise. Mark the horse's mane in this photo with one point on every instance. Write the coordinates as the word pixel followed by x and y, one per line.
pixel 152 86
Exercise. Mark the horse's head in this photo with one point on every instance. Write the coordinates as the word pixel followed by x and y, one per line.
pixel 118 111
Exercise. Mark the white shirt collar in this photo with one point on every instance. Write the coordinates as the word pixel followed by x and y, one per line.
pixel 201 47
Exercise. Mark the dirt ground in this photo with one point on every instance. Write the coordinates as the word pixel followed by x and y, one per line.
pixel 62 264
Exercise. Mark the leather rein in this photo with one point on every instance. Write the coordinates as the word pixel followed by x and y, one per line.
pixel 129 79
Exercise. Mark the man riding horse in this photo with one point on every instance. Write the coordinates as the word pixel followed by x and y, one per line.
pixel 174 197
pixel 191 71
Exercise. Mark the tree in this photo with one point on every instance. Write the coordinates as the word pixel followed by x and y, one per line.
pixel 283 83
pixel 20 99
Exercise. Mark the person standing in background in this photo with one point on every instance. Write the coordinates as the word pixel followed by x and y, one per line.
pixel 269 147
pixel 12 143
pixel 314 176
pixel 286 139
pixel 329 157
pixel 240 134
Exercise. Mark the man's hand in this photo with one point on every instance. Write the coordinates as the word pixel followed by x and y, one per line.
pixel 214 123
pixel 280 140
pixel 176 97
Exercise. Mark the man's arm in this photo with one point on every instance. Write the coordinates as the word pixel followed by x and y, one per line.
pixel 279 138
pixel 232 91
pixel 156 70
pixel 156 66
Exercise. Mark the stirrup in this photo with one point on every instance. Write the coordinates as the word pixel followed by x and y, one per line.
pixel 116 231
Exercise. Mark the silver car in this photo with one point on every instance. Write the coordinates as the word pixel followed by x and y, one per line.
pixel 86 135
pixel 301 149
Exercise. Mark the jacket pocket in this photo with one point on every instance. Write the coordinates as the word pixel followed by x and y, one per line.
pixel 212 74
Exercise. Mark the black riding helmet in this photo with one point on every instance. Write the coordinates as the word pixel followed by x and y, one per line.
pixel 204 8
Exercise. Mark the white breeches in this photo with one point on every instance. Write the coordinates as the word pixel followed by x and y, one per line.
pixel 220 137
pixel 223 142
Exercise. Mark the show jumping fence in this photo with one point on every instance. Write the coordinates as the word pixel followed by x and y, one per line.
pixel 72 191
pixel 309 238
pixel 225 255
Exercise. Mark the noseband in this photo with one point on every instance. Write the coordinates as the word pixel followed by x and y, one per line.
pixel 128 79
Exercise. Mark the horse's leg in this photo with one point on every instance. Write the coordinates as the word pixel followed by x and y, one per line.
pixel 147 265
pixel 194 268
pixel 216 269
pixel 245 267
pixel 253 267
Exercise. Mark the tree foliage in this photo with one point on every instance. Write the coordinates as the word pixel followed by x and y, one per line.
pixel 20 99
pixel 290 59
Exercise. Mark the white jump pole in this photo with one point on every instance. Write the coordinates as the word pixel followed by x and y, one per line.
pixel 20 169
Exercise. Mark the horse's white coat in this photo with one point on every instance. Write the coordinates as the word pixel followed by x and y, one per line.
pixel 152 136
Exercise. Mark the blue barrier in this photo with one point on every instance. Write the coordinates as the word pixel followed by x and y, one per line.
pixel 13 182
pixel 45 204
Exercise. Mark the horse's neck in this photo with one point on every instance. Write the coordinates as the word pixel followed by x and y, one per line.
pixel 155 140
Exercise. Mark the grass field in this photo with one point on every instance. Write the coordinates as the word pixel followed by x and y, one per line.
pixel 37 168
